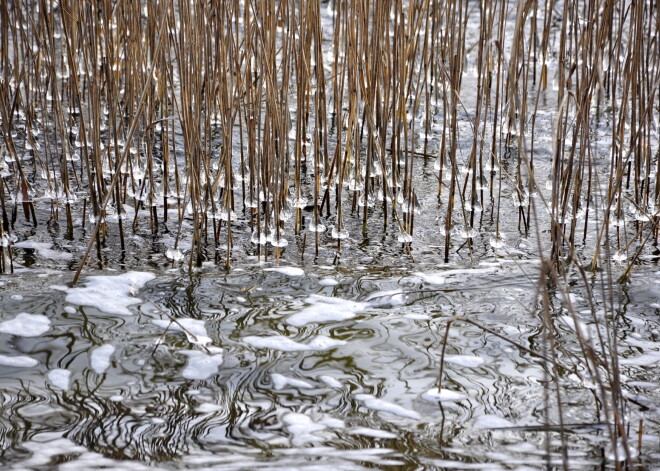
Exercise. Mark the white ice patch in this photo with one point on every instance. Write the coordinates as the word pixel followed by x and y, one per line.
pixel 111 294
pixel 201 365
pixel 60 378
pixel 330 381
pixel 491 421
pixel 281 382
pixel 26 325
pixel 646 359
pixel 194 329
pixel 288 271
pixel 100 358
pixel 372 432
pixel 389 298
pixel 20 361
pixel 325 309
pixel 44 249
pixel 280 342
pixel 302 427
pixel 374 403
pixel 439 278
pixel 328 282
pixel 442 395
pixel 468 361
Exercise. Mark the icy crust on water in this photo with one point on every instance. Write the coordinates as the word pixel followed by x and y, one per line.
pixel 44 250
pixel 99 359
pixel 111 294
pixel 325 309
pixel 372 402
pixel 202 365
pixel 288 271
pixel 60 378
pixel 19 361
pixel 26 325
pixel 280 342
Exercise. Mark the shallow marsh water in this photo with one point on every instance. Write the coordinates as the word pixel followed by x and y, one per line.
pixel 314 367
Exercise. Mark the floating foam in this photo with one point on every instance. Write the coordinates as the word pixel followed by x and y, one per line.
pixel 100 358
pixel 60 378
pixel 194 329
pixel 26 325
pixel 439 278
pixel 20 361
pixel 491 421
pixel 442 395
pixel 328 282
pixel 374 403
pixel 468 361
pixel 646 359
pixel 372 432
pixel 44 249
pixel 111 294
pixel 280 342
pixel 325 309
pixel 302 427
pixel 281 382
pixel 201 365
pixel 330 381
pixel 288 271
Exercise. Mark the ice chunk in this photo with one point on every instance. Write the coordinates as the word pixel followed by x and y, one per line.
pixel 111 294
pixel 442 395
pixel 201 365
pixel 325 309
pixel 281 382
pixel 20 361
pixel 469 361
pixel 100 358
pixel 288 271
pixel 491 421
pixel 60 378
pixel 374 403
pixel 26 325
pixel 285 344
pixel 372 432
pixel 44 249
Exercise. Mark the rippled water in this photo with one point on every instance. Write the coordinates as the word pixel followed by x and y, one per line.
pixel 321 368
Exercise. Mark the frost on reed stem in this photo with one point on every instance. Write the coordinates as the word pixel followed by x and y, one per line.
pixel 268 124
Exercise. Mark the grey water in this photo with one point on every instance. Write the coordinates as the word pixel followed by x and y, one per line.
pixel 312 367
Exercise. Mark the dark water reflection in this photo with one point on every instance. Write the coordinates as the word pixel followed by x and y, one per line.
pixel 143 411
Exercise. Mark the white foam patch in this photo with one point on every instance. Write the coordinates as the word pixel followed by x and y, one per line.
pixel 281 382
pixel 439 278
pixel 330 381
pixel 491 421
pixel 280 342
pixel 372 432
pixel 20 361
pixel 442 395
pixel 288 271
pixel 111 294
pixel 60 378
pixel 468 361
pixel 44 249
pixel 302 427
pixel 26 325
pixel 646 359
pixel 380 405
pixel 328 282
pixel 325 309
pixel 99 359
pixel 201 365
pixel 194 329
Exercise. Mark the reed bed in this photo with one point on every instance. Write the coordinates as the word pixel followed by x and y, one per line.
pixel 305 123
